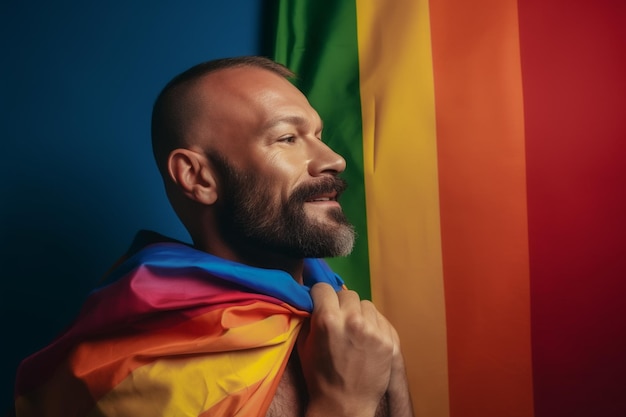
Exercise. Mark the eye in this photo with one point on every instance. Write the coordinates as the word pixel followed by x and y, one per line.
pixel 287 139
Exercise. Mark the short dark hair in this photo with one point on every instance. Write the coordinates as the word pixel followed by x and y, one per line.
pixel 166 133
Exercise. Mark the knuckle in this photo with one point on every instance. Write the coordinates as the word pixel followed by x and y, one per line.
pixel 356 324
pixel 348 295
pixel 326 321
pixel 388 346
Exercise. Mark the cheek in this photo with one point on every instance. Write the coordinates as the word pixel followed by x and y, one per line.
pixel 268 186
pixel 286 172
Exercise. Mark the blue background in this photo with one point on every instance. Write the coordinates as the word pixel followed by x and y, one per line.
pixel 77 177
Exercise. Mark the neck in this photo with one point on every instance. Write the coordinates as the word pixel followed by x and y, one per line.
pixel 256 258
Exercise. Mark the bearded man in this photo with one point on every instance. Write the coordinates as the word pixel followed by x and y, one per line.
pixel 247 321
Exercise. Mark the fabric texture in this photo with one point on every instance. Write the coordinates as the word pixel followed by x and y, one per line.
pixel 173 331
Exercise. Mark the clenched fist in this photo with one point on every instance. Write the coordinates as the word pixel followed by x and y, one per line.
pixel 348 352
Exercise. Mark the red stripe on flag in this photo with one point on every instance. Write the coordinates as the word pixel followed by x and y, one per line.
pixel 574 72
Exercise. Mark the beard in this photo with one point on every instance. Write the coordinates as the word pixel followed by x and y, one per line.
pixel 250 215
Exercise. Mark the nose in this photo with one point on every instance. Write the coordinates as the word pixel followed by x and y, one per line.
pixel 324 160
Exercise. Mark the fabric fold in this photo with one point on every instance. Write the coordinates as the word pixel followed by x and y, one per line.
pixel 173 331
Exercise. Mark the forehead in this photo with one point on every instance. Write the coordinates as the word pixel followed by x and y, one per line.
pixel 251 96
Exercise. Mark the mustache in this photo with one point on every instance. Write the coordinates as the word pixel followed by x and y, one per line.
pixel 322 186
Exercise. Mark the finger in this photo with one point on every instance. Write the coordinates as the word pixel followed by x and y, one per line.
pixel 388 329
pixel 324 298
pixel 370 312
pixel 379 323
pixel 349 301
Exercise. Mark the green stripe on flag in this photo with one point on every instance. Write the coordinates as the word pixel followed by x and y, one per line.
pixel 317 39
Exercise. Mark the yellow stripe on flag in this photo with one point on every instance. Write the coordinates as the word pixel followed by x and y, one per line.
pixel 402 201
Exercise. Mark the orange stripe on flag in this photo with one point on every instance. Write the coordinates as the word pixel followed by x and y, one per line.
pixel 480 136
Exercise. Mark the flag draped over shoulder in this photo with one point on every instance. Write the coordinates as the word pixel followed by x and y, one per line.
pixel 176 332
pixel 485 144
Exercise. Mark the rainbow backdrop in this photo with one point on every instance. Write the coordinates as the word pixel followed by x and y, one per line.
pixel 486 142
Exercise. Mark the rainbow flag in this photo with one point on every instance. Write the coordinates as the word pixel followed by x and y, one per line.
pixel 485 142
pixel 174 332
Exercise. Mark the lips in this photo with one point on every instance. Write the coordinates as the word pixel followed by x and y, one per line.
pixel 323 190
pixel 323 197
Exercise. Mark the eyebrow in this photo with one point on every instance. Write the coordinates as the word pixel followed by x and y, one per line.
pixel 292 120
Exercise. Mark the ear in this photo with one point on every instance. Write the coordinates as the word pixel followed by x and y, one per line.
pixel 190 171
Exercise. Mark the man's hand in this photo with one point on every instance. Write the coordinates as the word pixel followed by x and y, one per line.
pixel 346 352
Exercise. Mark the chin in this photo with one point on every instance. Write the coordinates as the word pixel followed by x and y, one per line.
pixel 345 241
pixel 338 241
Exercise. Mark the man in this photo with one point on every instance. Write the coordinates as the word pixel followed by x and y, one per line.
pixel 227 327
